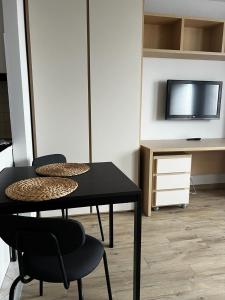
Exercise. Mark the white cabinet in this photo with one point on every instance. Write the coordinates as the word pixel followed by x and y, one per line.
pixel 115 57
pixel 171 180
pixel 6 160
pixel 64 120
pixel 58 58
pixel 58 44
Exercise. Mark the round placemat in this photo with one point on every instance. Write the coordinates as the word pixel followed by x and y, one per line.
pixel 41 188
pixel 62 169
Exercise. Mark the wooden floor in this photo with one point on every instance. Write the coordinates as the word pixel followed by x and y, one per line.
pixel 183 255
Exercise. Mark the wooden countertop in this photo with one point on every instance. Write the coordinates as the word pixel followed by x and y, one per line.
pixel 184 145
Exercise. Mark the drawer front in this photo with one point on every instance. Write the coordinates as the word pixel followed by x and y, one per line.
pixel 164 198
pixel 173 165
pixel 172 181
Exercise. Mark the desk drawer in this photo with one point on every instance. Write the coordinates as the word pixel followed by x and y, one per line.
pixel 173 197
pixel 173 164
pixel 172 181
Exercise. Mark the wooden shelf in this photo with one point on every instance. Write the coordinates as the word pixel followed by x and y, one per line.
pixel 162 32
pixel 201 35
pixel 160 53
pixel 180 37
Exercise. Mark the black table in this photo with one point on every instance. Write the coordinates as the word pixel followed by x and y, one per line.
pixel 104 184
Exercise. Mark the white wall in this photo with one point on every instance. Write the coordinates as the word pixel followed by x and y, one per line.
pixel 16 64
pixel 155 73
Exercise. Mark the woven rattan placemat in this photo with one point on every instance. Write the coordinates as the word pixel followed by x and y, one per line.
pixel 41 188
pixel 62 169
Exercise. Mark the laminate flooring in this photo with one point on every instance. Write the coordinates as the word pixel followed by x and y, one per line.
pixel 183 255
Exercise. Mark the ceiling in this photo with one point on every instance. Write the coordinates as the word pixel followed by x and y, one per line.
pixel 217 1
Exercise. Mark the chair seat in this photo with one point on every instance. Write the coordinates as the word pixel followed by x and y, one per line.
pixel 78 264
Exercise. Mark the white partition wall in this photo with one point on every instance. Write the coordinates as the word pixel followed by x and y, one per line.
pixel 6 160
pixel 58 39
pixel 116 50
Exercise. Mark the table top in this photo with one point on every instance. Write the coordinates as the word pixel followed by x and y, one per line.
pixel 103 184
pixel 184 145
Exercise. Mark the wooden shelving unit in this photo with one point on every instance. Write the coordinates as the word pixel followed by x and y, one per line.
pixel 181 37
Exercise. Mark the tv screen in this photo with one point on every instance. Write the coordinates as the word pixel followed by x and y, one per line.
pixel 189 99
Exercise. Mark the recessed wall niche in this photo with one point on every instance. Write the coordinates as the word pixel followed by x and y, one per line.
pixel 5 128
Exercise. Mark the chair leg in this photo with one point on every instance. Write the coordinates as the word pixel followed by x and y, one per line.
pixel 107 276
pixel 80 289
pixel 38 214
pixel 100 223
pixel 41 288
pixel 64 213
pixel 12 289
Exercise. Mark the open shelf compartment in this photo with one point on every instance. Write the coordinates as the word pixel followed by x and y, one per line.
pixel 203 35
pixel 162 32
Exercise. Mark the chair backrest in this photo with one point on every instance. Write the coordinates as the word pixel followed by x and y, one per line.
pixel 40 236
pixel 48 159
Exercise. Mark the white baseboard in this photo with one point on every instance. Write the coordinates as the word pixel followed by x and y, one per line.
pixel 116 207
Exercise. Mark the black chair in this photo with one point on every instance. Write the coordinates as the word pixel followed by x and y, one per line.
pixel 52 250
pixel 49 159
pixel 59 158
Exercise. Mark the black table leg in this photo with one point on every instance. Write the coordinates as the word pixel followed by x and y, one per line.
pixel 100 223
pixel 137 249
pixel 111 238
pixel 12 253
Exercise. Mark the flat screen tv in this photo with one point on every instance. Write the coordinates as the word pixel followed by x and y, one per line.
pixel 191 99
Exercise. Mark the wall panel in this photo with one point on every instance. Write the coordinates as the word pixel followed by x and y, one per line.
pixel 58 39
pixel 115 53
